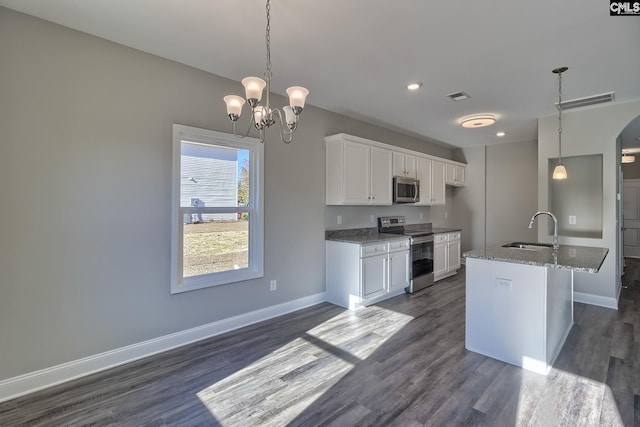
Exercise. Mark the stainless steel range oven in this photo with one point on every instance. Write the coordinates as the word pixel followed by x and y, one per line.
pixel 421 238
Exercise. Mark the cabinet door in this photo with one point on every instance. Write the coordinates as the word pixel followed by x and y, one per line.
pixel 410 166
pixel 381 179
pixel 450 174
pixel 453 255
pixel 440 262
pixel 398 270
pixel 460 175
pixel 398 164
pixel 356 186
pixel 438 183
pixel 454 175
pixel 423 173
pixel 374 276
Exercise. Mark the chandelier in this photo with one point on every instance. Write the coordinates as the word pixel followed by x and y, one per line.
pixel 559 172
pixel 263 116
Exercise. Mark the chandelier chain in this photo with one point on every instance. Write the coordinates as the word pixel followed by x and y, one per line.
pixel 268 40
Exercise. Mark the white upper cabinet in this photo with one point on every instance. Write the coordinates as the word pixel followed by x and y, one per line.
pixel 360 172
pixel 455 175
pixel 357 173
pixel 438 189
pixel 423 173
pixel 404 165
pixel 381 179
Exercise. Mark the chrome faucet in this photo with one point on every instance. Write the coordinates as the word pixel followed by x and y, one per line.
pixel 556 245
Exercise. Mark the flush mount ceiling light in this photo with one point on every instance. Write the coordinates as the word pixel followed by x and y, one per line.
pixel 627 155
pixel 628 158
pixel 263 117
pixel 500 134
pixel 559 172
pixel 478 121
pixel 414 86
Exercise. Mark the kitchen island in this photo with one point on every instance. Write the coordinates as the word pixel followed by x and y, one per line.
pixel 519 301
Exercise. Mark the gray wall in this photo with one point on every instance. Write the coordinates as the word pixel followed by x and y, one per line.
pixel 510 195
pixel 85 181
pixel 632 170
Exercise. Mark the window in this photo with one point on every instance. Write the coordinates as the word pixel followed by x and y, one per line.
pixel 217 213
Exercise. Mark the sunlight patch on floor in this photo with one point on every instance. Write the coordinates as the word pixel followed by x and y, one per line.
pixel 371 334
pixel 574 399
pixel 277 388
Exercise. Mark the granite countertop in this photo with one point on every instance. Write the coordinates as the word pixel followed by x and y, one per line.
pixel 360 236
pixel 442 230
pixel 577 258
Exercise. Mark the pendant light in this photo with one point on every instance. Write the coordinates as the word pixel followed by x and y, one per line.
pixel 559 172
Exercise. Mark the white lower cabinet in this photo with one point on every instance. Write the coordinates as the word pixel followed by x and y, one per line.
pixel 446 254
pixel 399 265
pixel 362 274
pixel 374 271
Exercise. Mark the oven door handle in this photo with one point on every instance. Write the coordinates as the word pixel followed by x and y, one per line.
pixel 421 239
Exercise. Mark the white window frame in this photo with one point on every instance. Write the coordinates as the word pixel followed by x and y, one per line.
pixel 255 209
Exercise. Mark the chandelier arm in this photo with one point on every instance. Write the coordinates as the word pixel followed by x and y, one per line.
pixel 286 134
pixel 246 133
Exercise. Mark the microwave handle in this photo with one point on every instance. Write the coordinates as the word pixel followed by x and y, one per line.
pixel 415 197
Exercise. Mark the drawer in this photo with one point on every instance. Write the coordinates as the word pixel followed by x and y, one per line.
pixel 440 238
pixel 376 249
pixel 398 245
pixel 454 236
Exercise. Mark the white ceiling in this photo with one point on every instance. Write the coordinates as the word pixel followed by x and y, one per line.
pixel 355 56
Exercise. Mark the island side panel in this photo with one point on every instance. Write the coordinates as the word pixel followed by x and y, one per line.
pixel 505 312
pixel 559 310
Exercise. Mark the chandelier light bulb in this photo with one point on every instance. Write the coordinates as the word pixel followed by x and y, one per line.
pixel 253 87
pixel 289 116
pixel 234 106
pixel 297 97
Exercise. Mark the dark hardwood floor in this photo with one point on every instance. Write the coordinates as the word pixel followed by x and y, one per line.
pixel 401 362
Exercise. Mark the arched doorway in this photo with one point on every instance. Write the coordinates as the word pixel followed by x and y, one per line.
pixel 628 143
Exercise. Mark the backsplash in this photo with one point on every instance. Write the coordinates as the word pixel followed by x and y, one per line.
pixel 367 216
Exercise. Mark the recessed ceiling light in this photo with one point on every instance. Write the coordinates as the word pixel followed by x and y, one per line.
pixel 500 134
pixel 414 86
pixel 478 121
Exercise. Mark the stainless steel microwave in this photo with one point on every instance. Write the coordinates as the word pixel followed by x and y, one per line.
pixel 406 190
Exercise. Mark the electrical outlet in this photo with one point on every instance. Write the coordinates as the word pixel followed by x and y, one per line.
pixel 272 285
pixel 421 215
pixel 372 219
pixel 572 219
pixel 503 283
pixel 339 219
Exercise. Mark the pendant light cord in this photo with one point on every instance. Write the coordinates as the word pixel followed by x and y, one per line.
pixel 560 117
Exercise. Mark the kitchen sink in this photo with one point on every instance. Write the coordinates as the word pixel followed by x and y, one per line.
pixel 528 246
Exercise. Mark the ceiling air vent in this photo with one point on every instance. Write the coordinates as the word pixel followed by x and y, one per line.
pixel 458 96
pixel 589 100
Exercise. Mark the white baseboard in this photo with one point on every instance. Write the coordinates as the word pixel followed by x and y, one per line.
pixel 44 378
pixel 598 300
